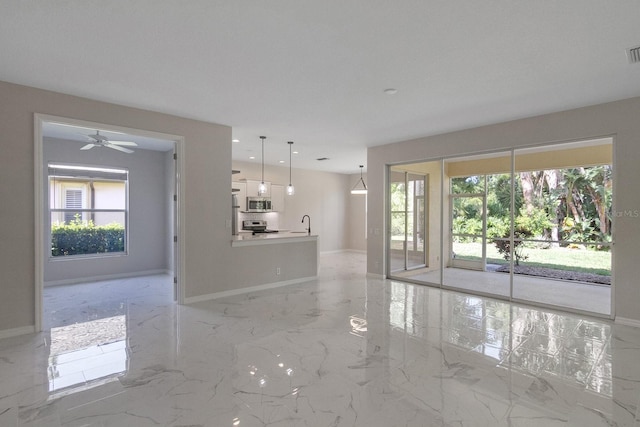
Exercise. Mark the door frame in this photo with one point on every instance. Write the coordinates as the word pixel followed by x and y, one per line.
pixel 40 211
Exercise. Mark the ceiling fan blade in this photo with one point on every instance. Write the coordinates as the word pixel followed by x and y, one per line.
pixel 89 146
pixel 124 143
pixel 117 147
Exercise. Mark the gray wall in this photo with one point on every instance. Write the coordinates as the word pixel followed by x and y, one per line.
pixel 619 119
pixel 147 212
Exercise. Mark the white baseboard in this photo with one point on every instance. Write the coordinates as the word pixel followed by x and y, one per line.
pixel 232 292
pixel 628 322
pixel 105 277
pixel 338 251
pixel 376 276
pixel 24 330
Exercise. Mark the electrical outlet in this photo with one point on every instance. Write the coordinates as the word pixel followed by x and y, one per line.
pixel 277 271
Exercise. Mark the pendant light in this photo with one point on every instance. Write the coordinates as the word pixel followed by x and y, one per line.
pixel 262 189
pixel 290 189
pixel 360 187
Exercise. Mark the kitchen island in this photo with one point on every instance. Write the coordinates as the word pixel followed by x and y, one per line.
pixel 249 239
pixel 266 261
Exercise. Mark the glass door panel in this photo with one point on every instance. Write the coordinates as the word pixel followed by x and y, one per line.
pixel 407 220
pixel 480 214
pixel 562 232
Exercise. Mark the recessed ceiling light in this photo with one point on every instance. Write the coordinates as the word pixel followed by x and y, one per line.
pixel 391 91
pixel 252 157
pixel 295 152
pixel 235 140
pixel 281 161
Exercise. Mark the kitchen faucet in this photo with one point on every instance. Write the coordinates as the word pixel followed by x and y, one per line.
pixel 309 218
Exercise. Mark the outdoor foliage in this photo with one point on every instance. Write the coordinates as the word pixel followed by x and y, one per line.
pixel 504 245
pixel 559 206
pixel 84 237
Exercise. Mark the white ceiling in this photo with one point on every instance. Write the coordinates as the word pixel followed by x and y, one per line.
pixel 314 71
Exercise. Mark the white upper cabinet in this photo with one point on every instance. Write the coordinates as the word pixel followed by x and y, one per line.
pixel 277 198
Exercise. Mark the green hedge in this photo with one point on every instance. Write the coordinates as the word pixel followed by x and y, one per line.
pixel 84 237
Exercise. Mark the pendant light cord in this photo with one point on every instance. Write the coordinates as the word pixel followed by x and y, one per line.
pixel 290 144
pixel 263 138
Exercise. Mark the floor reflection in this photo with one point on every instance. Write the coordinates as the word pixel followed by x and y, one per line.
pixel 522 339
pixel 87 354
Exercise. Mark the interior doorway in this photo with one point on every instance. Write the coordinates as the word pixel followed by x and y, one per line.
pixel 108 205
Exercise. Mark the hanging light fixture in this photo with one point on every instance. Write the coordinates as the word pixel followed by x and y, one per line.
pixel 262 189
pixel 290 189
pixel 360 187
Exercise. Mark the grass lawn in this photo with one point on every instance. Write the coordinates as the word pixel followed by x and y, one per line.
pixel 583 260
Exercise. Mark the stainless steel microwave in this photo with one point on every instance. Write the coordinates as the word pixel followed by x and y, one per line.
pixel 258 204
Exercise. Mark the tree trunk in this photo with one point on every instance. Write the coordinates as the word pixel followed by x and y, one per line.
pixel 600 208
pixel 551 176
pixel 526 178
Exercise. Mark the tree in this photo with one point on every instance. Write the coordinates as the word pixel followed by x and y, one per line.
pixel 552 177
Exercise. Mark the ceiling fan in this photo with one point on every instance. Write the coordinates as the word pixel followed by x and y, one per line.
pixel 103 141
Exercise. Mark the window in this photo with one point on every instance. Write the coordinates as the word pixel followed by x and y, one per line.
pixel 72 200
pixel 87 210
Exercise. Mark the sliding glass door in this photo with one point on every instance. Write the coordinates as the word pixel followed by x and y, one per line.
pixel 531 225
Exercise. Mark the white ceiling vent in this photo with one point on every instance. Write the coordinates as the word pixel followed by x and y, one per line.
pixel 633 54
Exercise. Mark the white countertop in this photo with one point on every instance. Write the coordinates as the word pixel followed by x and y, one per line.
pixel 248 239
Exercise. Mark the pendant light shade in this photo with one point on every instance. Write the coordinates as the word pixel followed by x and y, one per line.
pixel 262 188
pixel 360 187
pixel 290 189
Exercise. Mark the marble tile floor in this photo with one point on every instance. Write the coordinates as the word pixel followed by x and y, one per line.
pixel 342 350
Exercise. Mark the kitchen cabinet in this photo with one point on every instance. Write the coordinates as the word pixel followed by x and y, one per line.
pixel 277 198
pixel 252 188
pixel 242 194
